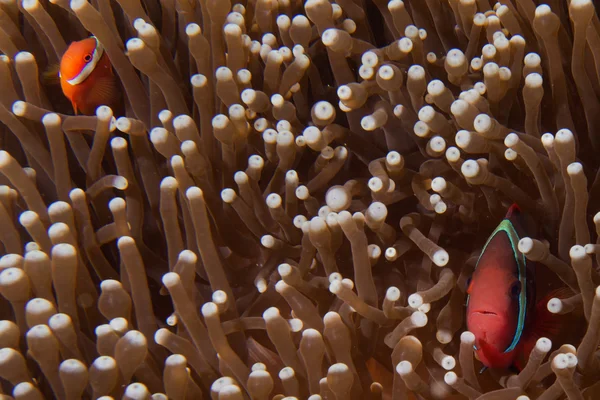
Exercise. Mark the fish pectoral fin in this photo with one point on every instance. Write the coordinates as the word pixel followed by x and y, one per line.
pixel 561 293
pixel 545 323
pixel 104 92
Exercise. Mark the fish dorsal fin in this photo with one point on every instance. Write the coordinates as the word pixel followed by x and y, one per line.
pixel 508 228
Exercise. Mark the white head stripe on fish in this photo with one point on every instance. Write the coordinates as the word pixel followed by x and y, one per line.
pixel 90 66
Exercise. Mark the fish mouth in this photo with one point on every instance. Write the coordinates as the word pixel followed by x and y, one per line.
pixel 485 312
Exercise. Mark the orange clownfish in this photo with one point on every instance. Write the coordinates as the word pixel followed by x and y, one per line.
pixel 501 309
pixel 86 76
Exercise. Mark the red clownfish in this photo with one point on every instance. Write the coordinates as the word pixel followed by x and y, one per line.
pixel 501 309
pixel 86 76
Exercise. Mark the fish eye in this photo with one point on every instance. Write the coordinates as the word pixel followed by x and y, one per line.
pixel 87 58
pixel 515 289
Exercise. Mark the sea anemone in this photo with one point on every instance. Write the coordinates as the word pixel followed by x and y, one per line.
pixel 292 197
